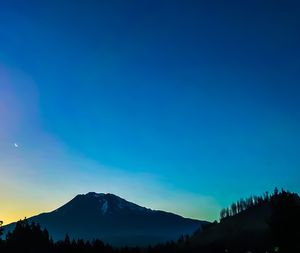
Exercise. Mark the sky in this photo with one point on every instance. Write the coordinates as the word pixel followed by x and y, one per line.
pixel 184 106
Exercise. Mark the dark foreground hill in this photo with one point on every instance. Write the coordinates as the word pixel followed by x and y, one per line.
pixel 270 223
pixel 247 228
pixel 113 220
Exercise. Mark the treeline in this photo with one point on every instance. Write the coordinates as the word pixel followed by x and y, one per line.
pixel 32 238
pixel 247 203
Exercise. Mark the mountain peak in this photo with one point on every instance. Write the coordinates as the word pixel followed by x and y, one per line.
pixel 103 203
pixel 94 194
pixel 100 195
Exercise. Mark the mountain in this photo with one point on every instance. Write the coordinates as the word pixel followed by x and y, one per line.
pixel 113 220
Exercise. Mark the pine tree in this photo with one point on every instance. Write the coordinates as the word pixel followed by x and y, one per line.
pixel 1 229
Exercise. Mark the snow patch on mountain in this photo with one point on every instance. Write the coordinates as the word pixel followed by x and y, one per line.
pixel 104 207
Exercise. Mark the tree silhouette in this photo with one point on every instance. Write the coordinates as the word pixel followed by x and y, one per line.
pixel 1 228
pixel 27 238
pixel 247 203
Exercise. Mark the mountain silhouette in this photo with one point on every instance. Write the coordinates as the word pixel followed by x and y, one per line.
pixel 273 221
pixel 113 220
pixel 247 228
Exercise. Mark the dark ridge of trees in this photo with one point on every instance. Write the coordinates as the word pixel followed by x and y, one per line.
pixel 252 201
pixel 284 234
pixel 32 238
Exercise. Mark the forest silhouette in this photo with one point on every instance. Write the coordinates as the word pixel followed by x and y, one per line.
pixel 282 234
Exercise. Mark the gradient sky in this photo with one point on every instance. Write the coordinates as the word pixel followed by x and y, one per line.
pixel 174 105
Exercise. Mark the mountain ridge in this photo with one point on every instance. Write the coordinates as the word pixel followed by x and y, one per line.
pixel 114 220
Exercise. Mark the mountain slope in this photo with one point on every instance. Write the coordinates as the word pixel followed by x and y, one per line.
pixel 272 222
pixel 113 220
pixel 251 224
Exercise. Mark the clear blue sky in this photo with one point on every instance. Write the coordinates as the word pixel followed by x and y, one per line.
pixel 177 105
